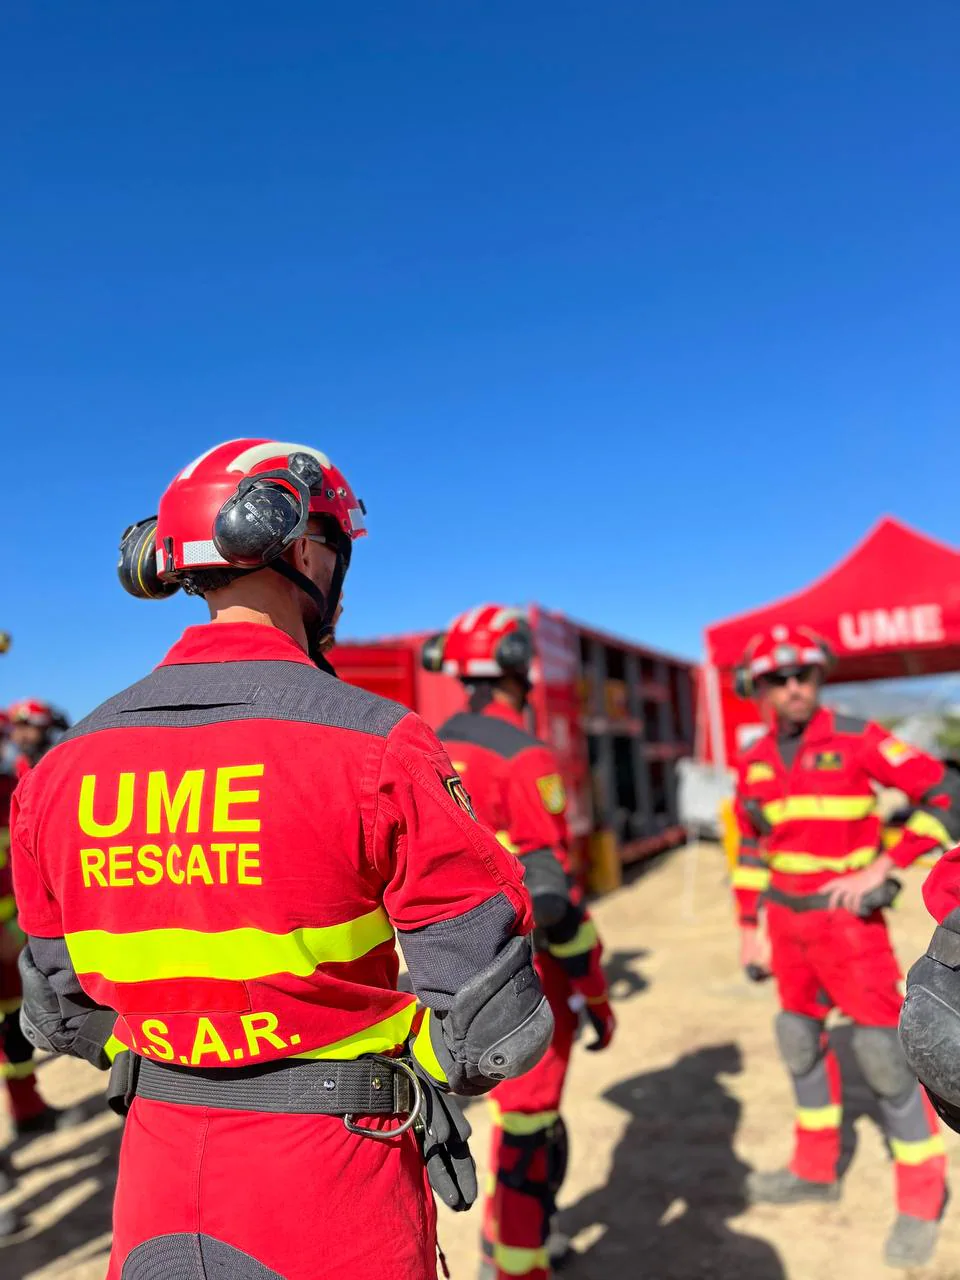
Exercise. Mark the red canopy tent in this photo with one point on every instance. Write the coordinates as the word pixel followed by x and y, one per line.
pixel 890 608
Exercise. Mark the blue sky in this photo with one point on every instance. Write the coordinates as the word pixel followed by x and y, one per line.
pixel 644 311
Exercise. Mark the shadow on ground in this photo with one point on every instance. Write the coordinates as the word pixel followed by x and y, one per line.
pixel 71 1209
pixel 675 1182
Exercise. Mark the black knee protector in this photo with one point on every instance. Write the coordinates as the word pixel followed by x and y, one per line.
pixel 930 1020
pixel 800 1041
pixel 499 1024
pixel 882 1062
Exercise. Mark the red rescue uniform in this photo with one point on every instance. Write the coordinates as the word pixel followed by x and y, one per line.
pixel 229 851
pixel 806 809
pixel 515 785
pixel 16 1055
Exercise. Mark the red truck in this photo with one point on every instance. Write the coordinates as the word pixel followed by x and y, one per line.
pixel 618 715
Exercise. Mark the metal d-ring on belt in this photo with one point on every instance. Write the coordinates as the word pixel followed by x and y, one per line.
pixel 372 1085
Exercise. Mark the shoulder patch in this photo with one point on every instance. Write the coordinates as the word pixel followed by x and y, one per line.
pixel 895 751
pixel 459 795
pixel 760 771
pixel 552 793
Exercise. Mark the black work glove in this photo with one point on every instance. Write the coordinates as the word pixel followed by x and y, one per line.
pixel 443 1131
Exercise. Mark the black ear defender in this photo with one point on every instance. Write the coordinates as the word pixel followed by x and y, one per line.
pixel 137 566
pixel 743 685
pixel 431 655
pixel 514 651
pixel 267 513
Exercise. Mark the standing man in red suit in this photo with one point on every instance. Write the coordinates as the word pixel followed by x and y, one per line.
pixel 518 792
pixel 810 851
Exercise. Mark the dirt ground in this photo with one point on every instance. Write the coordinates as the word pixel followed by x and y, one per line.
pixel 664 1126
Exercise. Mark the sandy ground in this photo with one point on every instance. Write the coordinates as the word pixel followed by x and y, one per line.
pixel 664 1126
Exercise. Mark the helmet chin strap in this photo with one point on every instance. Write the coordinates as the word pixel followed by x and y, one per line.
pixel 327 605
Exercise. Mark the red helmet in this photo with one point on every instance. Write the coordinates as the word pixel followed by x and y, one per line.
pixel 239 505
pixel 191 519
pixel 489 641
pixel 778 647
pixel 39 714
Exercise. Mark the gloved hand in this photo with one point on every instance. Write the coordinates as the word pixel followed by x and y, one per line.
pixel 601 1017
pixel 443 1131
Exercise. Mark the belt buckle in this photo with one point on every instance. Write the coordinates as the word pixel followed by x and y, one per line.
pixel 399 1071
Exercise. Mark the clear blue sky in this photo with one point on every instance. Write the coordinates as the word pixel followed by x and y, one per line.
pixel 642 310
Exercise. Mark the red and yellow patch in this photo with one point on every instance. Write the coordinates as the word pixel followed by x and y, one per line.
pixel 460 796
pixel 760 771
pixel 552 793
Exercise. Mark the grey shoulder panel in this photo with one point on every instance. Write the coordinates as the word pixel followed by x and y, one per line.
pixel 202 693
pixel 848 724
pixel 485 731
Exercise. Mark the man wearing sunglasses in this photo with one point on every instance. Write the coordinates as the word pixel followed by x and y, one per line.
pixel 810 852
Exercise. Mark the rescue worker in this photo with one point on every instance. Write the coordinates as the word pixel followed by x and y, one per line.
pixel 518 792
pixel 34 728
pixel 213 870
pixel 32 725
pixel 810 838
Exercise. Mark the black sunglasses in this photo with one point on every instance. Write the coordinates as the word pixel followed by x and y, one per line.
pixel 778 679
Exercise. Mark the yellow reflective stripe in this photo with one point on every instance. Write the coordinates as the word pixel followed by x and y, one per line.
pixel 922 823
pixel 504 838
pixel 240 955
pixel 113 1047
pixel 522 1123
pixel 585 939
pixel 917 1152
pixel 819 1117
pixel 11 1005
pixel 837 808
pixel 8 908
pixel 382 1036
pixel 751 877
pixel 800 863
pixel 424 1051
pixel 16 1070
pixel 518 1262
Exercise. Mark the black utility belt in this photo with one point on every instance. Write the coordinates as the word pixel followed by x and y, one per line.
pixel 876 900
pixel 369 1086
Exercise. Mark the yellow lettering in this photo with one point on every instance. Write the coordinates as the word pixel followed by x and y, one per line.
pixel 224 799
pixel 155 1030
pixel 150 859
pixel 120 861
pixel 206 1041
pixel 247 866
pixel 264 1031
pixel 160 807
pixel 91 867
pixel 197 865
pixel 124 811
pixel 174 856
pixel 221 850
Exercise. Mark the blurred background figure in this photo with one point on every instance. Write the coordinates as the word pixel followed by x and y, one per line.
pixel 810 843
pixel 515 783
pixel 31 727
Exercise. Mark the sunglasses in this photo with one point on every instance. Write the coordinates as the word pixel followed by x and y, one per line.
pixel 779 679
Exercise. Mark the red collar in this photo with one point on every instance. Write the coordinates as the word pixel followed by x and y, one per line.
pixel 501 711
pixel 234 642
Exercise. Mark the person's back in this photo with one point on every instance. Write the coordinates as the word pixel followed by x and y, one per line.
pixel 223 855
pixel 514 780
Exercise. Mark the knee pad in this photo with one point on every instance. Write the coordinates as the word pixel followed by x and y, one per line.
pixel 184 1256
pixel 800 1040
pixel 882 1062
pixel 499 1025
pixel 930 1022
pixel 558 1155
